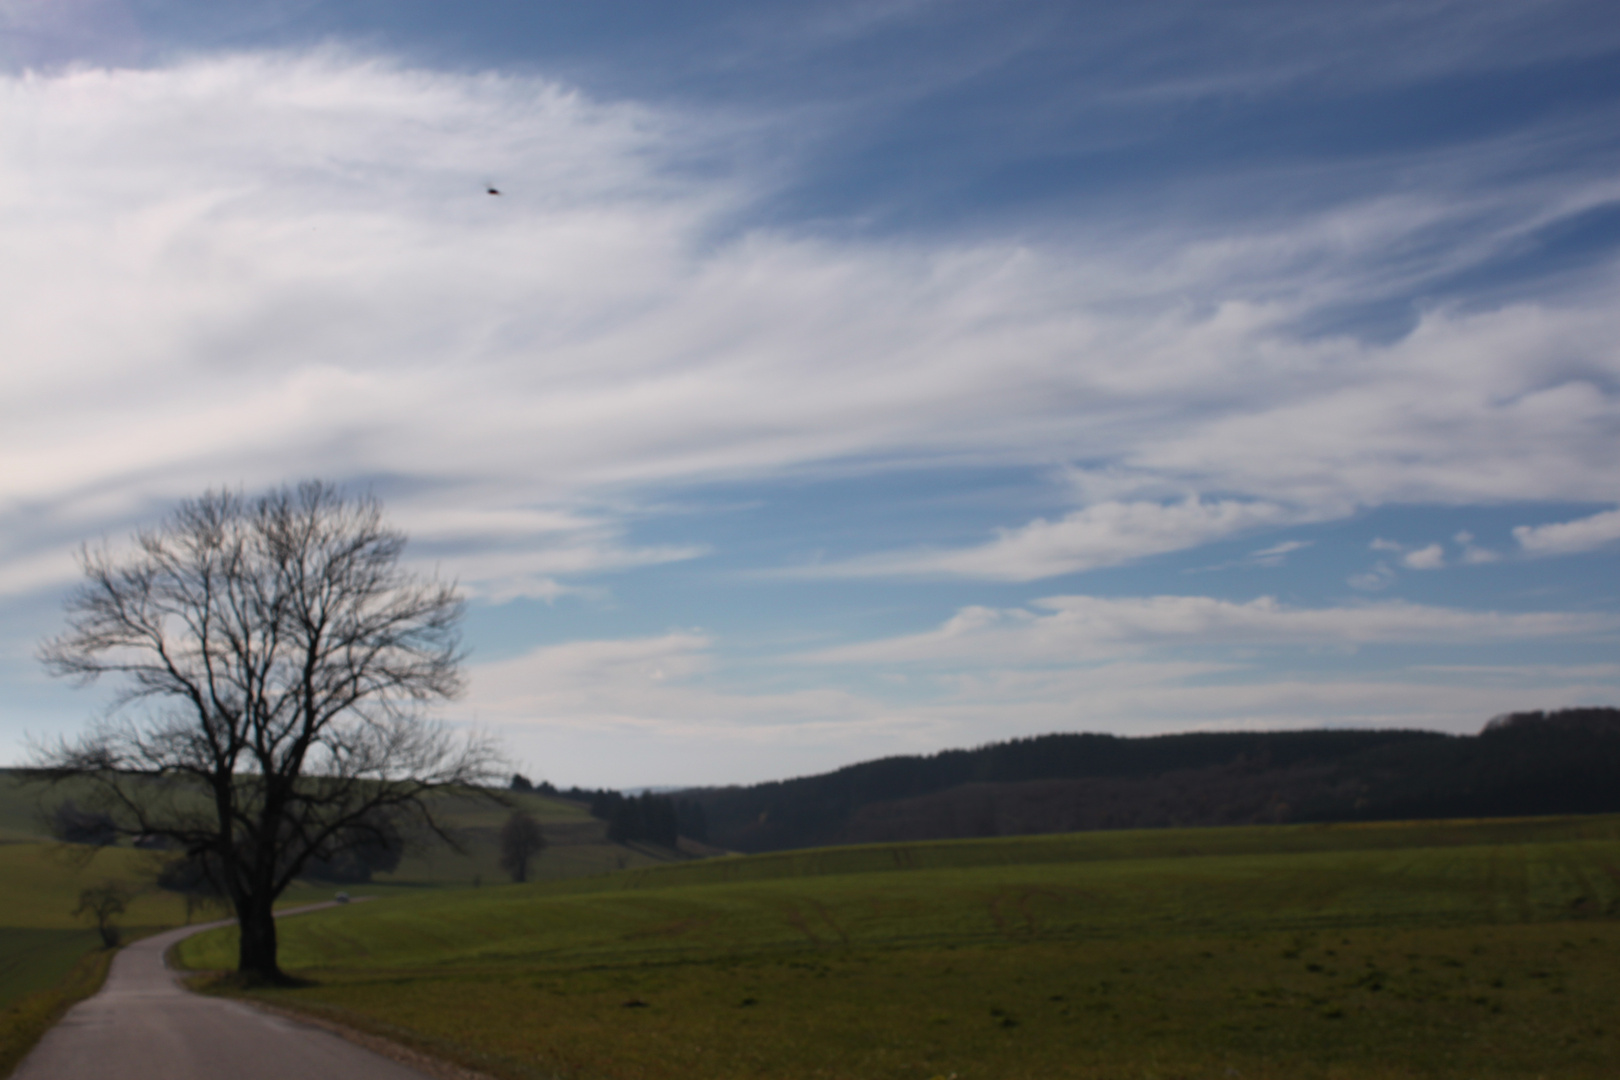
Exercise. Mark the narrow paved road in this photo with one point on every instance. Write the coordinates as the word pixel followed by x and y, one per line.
pixel 144 1025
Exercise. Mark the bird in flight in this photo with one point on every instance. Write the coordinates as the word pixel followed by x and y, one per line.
pixel 493 190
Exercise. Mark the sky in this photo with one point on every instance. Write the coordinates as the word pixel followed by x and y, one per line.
pixel 832 380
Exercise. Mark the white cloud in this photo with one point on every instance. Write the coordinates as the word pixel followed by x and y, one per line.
pixel 666 710
pixel 1276 551
pixel 1528 672
pixel 1473 554
pixel 1061 628
pixel 651 710
pixel 496 576
pixel 1432 557
pixel 1104 534
pixel 1277 554
pixel 501 554
pixel 246 268
pixel 1570 537
pixel 1377 579
pixel 250 268
pixel 41 571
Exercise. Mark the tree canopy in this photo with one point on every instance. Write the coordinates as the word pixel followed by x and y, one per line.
pixel 275 665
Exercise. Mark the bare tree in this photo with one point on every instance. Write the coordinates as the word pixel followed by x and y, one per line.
pixel 101 904
pixel 275 664
pixel 521 840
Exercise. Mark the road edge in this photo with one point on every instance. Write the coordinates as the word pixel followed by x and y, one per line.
pixel 392 1048
pixel 438 1067
pixel 83 980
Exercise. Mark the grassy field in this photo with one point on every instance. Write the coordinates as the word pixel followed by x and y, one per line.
pixel 1488 949
pixel 40 880
pixel 40 940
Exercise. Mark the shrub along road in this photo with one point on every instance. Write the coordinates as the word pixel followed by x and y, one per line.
pixel 144 1025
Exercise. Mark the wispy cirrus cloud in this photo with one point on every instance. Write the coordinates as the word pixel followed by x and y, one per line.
pixel 1102 534
pixel 647 708
pixel 242 268
pixel 1059 628
pixel 697 718
pixel 249 266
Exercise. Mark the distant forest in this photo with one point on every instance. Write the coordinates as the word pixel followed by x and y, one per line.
pixel 1520 764
pixel 646 818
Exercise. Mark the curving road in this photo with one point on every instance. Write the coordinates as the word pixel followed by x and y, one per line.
pixel 143 1025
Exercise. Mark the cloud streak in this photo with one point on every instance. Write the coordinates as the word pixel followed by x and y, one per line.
pixel 1103 534
pixel 1059 628
pixel 244 268
pixel 1073 663
pixel 1570 537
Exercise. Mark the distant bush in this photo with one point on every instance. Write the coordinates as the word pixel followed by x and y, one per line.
pixel 73 825
pixel 371 846
pixel 197 879
pixel 521 840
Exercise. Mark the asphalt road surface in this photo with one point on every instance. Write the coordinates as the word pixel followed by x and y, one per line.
pixel 144 1025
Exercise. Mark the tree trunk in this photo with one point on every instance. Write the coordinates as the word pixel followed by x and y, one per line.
pixel 257 955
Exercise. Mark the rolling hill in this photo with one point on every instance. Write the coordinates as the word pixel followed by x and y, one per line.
pixel 1564 762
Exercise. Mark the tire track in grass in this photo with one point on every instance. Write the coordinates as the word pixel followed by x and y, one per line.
pixel 826 917
pixel 795 918
pixel 1019 900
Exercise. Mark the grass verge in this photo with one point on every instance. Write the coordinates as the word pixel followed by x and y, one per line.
pixel 25 1021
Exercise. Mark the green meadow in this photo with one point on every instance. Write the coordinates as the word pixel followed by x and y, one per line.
pixel 1468 949
pixel 49 959
pixel 40 880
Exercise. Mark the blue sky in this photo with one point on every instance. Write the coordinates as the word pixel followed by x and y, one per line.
pixel 837 380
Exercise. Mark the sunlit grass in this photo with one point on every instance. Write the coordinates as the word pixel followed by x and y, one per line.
pixel 40 880
pixel 1477 949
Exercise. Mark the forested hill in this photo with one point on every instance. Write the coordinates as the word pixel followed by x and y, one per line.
pixel 1524 763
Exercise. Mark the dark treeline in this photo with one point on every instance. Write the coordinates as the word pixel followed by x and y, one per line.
pixel 73 825
pixel 648 818
pixel 1524 763
pixel 375 849
pixel 654 819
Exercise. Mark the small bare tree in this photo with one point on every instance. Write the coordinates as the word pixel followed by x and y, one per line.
pixel 101 904
pixel 521 840
pixel 275 662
